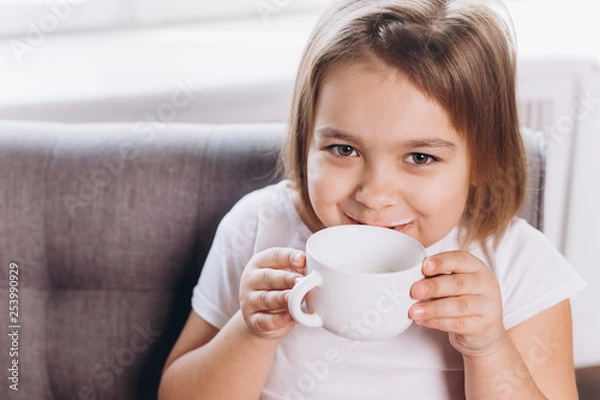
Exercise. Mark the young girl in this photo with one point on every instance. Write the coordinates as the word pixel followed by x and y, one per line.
pixel 404 116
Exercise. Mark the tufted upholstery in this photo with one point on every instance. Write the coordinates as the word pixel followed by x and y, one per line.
pixel 109 225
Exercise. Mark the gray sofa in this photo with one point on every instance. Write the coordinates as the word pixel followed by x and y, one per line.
pixel 108 226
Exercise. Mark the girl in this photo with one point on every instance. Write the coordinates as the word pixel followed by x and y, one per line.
pixel 403 116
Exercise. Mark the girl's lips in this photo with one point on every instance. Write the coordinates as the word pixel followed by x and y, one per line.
pixel 396 225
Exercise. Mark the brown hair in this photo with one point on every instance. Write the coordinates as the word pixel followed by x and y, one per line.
pixel 461 54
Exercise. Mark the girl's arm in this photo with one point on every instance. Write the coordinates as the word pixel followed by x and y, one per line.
pixel 234 362
pixel 535 362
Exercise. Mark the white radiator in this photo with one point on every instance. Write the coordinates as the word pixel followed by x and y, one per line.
pixel 561 98
pixel 549 92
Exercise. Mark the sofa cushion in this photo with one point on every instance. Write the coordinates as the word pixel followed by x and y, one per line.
pixel 109 226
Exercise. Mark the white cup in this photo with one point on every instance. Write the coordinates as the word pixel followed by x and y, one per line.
pixel 358 281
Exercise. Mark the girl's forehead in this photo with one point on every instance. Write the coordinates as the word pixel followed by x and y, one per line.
pixel 370 90
pixel 367 96
pixel 367 76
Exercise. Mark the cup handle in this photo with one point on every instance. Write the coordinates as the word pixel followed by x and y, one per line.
pixel 297 294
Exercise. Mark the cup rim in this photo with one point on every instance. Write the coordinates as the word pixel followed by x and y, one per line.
pixel 421 248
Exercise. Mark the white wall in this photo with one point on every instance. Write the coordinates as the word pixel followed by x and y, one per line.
pixel 583 225
pixel 32 17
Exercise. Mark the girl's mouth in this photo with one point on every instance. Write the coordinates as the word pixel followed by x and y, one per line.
pixel 398 225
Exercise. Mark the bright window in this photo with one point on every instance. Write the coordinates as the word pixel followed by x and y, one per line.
pixel 30 17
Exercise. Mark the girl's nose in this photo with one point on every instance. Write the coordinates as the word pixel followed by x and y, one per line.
pixel 378 189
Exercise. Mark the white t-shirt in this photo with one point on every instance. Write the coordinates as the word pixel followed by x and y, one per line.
pixel 311 363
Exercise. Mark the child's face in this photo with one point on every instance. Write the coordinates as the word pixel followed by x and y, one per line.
pixel 383 154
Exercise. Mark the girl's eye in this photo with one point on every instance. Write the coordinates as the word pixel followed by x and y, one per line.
pixel 343 150
pixel 420 158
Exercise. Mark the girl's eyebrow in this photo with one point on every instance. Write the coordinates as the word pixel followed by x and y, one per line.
pixel 434 143
pixel 427 143
pixel 329 133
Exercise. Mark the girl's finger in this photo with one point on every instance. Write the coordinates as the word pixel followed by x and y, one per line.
pixel 265 322
pixel 272 279
pixel 450 307
pixel 451 262
pixel 269 301
pixel 447 285
pixel 279 258
pixel 459 325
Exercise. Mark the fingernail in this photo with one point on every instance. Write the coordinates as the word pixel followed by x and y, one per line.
pixel 428 265
pixel 419 289
pixel 298 279
pixel 418 311
pixel 296 258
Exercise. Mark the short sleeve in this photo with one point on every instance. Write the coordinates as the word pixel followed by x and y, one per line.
pixel 262 219
pixel 532 274
pixel 216 296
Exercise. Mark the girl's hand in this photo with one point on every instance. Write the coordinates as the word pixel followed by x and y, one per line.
pixel 464 300
pixel 264 290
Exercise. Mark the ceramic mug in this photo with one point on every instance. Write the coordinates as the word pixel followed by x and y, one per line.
pixel 357 282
